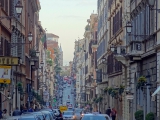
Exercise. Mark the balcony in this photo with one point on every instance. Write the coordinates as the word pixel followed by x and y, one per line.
pixel 135 50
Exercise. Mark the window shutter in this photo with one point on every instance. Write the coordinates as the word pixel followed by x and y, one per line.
pixel 95 57
pixel 10 7
pixel 147 21
pixel 20 47
pixel 152 21
pixel 6 6
pixel 120 17
pixel 1 46
pixel 2 3
pixel 7 48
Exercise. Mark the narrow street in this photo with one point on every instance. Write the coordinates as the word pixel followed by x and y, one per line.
pixel 65 59
pixel 68 93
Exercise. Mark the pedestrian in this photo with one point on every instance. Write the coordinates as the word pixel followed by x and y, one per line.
pixel 108 111
pixel 16 112
pixel 1 114
pixel 24 109
pixel 36 108
pixel 5 115
pixel 113 114
pixel 31 109
pixel 21 107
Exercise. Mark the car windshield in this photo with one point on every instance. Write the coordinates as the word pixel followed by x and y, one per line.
pixel 68 113
pixel 78 111
pixel 94 118
pixel 27 118
pixel 41 117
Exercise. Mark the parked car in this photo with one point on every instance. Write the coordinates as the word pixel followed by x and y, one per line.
pixel 48 115
pixel 28 117
pixel 40 115
pixel 94 117
pixel 78 113
pixel 13 118
pixel 68 115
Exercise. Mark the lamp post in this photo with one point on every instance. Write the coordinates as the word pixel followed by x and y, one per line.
pixel 18 8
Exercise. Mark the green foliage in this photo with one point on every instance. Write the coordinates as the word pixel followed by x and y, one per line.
pixel 105 90
pixel 48 53
pixel 114 93
pixel 139 115
pixel 32 52
pixel 121 89
pixel 100 99
pixel 50 62
pixel 110 90
pixel 150 116
pixel 141 82
pixel 20 87
pixel 4 85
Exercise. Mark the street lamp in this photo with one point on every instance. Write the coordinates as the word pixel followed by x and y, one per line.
pixel 42 63
pixel 129 27
pixel 37 53
pixel 19 8
pixel 151 2
pixel 30 37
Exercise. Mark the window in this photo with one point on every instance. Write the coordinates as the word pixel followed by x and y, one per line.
pixel 117 21
pixel 110 3
pixel 5 5
pixel 1 46
pixel 7 48
pixel 113 65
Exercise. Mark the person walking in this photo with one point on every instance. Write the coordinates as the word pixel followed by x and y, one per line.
pixel 31 109
pixel 24 109
pixel 108 111
pixel 1 114
pixel 113 114
pixel 5 115
pixel 16 112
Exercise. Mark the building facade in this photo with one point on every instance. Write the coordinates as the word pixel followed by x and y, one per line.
pixel 21 39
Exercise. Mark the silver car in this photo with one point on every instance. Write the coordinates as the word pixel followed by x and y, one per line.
pixel 14 118
pixel 77 113
pixel 68 115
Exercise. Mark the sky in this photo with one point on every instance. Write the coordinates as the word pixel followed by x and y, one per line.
pixel 67 19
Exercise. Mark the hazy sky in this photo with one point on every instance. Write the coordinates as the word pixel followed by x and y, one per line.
pixel 67 19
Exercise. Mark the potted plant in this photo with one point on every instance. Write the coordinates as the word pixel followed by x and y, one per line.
pixel 114 93
pixel 100 99
pixel 19 87
pixel 105 90
pixel 121 89
pixel 150 116
pixel 141 82
pixel 139 115
pixel 32 53
pixel 94 100
pixel 110 90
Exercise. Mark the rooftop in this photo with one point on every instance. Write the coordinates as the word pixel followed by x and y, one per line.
pixel 52 35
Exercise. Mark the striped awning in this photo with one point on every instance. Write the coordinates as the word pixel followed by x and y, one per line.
pixel 156 91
